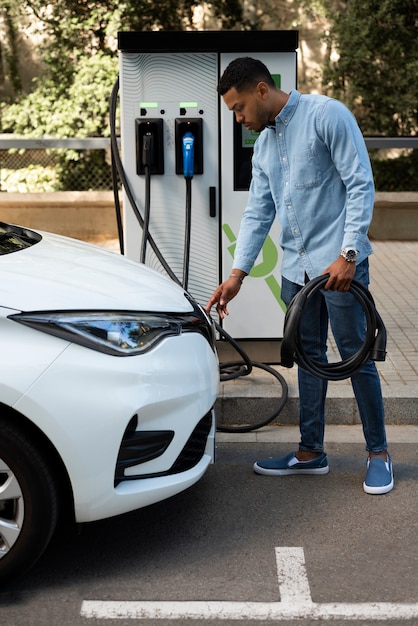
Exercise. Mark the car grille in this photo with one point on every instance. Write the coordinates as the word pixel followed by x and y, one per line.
pixel 194 448
pixel 141 446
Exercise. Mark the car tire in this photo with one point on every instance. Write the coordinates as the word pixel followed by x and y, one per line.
pixel 28 502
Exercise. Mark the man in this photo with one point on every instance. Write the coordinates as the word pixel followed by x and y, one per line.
pixel 311 169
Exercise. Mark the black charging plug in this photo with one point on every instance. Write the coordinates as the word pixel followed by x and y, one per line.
pixel 148 149
pixel 149 145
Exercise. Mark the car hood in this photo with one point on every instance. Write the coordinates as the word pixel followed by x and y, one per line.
pixel 59 273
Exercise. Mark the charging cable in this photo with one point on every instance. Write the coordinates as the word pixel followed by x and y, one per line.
pixel 148 161
pixel 292 350
pixel 235 369
pixel 188 171
pixel 231 369
pixel 118 170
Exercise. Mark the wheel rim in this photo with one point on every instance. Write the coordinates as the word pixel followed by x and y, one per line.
pixel 12 509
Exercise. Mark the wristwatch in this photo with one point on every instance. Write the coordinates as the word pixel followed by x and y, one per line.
pixel 349 254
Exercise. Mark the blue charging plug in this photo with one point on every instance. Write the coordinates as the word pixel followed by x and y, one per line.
pixel 188 155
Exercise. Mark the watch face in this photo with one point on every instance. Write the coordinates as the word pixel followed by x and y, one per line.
pixel 350 254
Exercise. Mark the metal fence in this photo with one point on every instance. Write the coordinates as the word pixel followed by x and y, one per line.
pixel 39 165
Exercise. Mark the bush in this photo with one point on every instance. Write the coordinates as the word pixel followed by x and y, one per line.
pixel 398 174
pixel 31 179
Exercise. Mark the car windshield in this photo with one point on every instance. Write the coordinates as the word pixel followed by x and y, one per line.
pixel 15 238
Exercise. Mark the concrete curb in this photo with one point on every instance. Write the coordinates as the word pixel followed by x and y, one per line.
pixel 333 434
pixel 240 411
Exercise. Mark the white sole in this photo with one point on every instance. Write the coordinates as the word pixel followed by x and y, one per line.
pixel 377 491
pixel 288 472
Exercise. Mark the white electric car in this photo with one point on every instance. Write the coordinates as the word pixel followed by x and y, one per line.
pixel 108 378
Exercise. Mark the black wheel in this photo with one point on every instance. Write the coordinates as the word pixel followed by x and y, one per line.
pixel 28 502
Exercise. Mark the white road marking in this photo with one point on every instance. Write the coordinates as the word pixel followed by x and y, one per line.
pixel 295 603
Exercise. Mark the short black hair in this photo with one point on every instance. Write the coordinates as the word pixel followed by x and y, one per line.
pixel 244 73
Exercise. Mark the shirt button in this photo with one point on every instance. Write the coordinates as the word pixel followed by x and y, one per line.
pixel 286 183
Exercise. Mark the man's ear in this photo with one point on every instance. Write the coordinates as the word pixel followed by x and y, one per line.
pixel 262 89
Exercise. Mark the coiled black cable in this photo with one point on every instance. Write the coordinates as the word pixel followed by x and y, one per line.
pixel 292 350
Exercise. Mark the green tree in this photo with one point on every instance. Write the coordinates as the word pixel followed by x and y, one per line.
pixel 80 63
pixel 70 97
pixel 376 73
pixel 9 46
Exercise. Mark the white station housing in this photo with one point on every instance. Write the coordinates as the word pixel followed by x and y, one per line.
pixel 168 85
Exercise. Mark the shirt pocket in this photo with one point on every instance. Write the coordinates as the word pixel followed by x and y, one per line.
pixel 306 172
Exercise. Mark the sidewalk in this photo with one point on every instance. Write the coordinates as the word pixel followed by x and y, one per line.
pixel 394 286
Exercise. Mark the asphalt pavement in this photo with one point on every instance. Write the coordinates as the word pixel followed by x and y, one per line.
pixel 242 548
pixel 262 550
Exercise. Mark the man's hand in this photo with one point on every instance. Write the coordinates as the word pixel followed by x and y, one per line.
pixel 341 273
pixel 224 294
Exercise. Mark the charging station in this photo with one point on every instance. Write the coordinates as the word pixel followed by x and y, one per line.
pixel 189 163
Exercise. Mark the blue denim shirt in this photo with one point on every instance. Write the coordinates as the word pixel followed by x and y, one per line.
pixel 313 172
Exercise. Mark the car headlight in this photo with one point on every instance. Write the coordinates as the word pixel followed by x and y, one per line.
pixel 118 333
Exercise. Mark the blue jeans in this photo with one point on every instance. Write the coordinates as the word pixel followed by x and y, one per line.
pixel 348 325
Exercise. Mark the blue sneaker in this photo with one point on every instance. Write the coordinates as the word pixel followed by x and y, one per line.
pixel 290 465
pixel 379 476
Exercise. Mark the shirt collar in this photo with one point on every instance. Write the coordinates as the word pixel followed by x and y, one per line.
pixel 289 108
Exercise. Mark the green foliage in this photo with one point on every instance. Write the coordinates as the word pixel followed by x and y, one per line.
pixel 398 174
pixel 76 176
pixel 376 73
pixel 78 50
pixel 80 65
pixel 56 170
pixel 34 178
pixel 81 111
pixel 230 14
pixel 9 50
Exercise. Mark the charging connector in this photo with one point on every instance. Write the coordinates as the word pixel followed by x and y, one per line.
pixel 149 146
pixel 188 171
pixel 148 152
pixel 184 127
pixel 188 155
